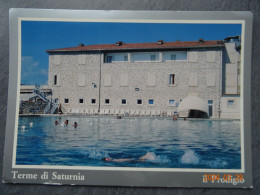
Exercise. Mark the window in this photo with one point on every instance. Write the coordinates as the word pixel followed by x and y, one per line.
pixel 171 102
pixel 66 100
pixel 93 101
pixel 109 59
pixel 178 103
pixel 139 101
pixel 106 101
pixel 56 100
pixel 125 58
pixel 153 57
pixel 123 101
pixel 173 56
pixel 81 101
pixel 151 101
pixel 55 79
pixel 231 103
pixel 171 79
pixel 210 107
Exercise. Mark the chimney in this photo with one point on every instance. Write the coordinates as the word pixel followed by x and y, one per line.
pixel 118 43
pixel 159 42
pixel 81 44
pixel 201 41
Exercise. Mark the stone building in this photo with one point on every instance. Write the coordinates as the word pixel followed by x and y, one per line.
pixel 192 78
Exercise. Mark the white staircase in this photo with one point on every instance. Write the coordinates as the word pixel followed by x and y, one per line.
pixel 51 106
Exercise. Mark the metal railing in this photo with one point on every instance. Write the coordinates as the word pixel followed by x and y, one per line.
pixel 54 107
pixel 47 108
pixel 51 106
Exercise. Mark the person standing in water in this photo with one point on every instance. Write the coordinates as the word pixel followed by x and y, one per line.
pixel 75 124
pixel 66 122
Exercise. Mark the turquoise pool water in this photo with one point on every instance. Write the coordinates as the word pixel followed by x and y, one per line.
pixel 172 144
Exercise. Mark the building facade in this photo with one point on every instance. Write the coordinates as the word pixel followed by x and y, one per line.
pixel 145 78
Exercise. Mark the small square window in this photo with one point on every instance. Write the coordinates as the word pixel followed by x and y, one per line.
pixel 66 100
pixel 139 101
pixel 107 101
pixel 123 101
pixel 56 100
pixel 93 101
pixel 231 103
pixel 151 101
pixel 81 101
pixel 136 89
pixel 171 102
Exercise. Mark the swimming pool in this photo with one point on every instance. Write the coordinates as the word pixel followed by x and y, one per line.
pixel 173 144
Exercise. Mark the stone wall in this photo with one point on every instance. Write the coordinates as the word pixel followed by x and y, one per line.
pixel 130 80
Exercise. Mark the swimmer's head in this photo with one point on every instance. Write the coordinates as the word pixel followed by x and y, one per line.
pixel 106 159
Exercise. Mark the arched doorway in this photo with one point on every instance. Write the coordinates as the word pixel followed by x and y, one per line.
pixel 193 107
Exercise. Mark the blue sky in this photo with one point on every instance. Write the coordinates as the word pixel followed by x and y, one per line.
pixel 38 36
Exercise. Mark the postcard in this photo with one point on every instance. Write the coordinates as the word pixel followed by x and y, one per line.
pixel 129 98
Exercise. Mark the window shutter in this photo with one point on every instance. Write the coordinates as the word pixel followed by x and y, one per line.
pixel 193 56
pixel 107 80
pixel 211 79
pixel 82 59
pixel 82 80
pixel 175 80
pixel 151 79
pixel 211 56
pixel 56 60
pixel 193 79
pixel 124 80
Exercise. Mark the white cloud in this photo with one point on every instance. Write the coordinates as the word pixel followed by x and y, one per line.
pixel 31 71
pixel 44 72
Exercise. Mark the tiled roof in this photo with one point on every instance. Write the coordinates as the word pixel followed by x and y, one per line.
pixel 141 46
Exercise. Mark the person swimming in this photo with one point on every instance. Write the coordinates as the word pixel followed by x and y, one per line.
pixel 75 124
pixel 56 122
pixel 149 156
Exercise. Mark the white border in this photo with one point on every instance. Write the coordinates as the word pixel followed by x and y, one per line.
pixel 242 170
